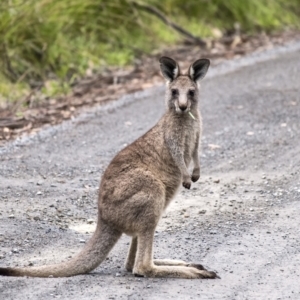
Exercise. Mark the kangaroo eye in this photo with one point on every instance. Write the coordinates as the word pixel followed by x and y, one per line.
pixel 191 93
pixel 174 92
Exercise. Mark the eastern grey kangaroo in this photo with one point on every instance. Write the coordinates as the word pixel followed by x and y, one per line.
pixel 140 182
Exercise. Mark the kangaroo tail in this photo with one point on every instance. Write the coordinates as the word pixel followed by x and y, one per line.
pixel 91 256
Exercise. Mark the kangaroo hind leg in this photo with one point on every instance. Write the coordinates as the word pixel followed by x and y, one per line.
pixel 144 264
pixel 176 262
pixel 131 255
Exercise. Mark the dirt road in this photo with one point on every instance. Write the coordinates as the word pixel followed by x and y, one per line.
pixel 241 219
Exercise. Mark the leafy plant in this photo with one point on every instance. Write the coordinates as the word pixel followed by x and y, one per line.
pixel 42 40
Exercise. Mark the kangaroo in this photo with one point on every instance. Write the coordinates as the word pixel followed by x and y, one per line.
pixel 140 182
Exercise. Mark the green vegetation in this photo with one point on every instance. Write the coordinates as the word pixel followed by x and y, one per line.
pixel 56 40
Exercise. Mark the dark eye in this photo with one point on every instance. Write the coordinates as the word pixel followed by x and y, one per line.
pixel 174 92
pixel 191 93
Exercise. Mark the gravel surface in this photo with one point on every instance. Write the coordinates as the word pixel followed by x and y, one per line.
pixel 241 219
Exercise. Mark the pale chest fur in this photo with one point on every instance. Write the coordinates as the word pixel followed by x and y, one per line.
pixel 191 136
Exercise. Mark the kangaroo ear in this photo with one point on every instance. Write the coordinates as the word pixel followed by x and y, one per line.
pixel 198 69
pixel 169 68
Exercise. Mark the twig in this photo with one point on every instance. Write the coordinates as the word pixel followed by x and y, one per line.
pixel 154 11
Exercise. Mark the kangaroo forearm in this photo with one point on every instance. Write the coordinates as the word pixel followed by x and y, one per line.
pixel 196 160
pixel 196 155
pixel 196 170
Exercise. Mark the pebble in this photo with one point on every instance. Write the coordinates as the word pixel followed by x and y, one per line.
pixel 11 216
pixel 81 241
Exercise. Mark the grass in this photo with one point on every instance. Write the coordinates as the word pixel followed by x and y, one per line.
pixel 57 42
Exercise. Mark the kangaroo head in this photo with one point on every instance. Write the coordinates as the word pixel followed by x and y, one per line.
pixel 182 93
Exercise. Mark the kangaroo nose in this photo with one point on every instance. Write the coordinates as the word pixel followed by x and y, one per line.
pixel 182 107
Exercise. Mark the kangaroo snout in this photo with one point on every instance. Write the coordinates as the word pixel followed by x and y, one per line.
pixel 183 102
pixel 183 107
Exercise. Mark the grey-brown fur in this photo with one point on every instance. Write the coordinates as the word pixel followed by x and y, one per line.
pixel 139 184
